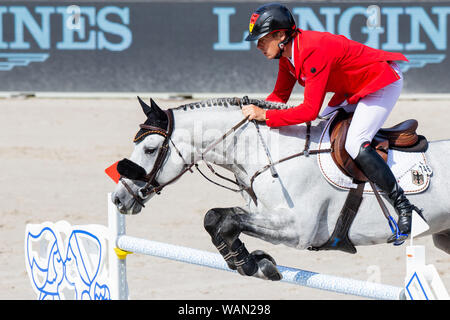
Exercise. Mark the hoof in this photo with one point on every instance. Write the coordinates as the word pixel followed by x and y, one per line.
pixel 267 267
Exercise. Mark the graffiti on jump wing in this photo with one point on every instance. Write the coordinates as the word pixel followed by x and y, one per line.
pixel 418 32
pixel 24 30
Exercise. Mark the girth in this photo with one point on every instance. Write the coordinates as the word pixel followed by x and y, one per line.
pixel 339 239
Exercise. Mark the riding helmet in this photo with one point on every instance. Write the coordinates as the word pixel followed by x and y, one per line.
pixel 269 18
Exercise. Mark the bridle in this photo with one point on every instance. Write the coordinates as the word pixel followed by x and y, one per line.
pixel 152 186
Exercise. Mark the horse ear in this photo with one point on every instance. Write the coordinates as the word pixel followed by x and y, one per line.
pixel 146 108
pixel 156 117
pixel 157 109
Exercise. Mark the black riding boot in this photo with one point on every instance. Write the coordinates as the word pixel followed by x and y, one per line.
pixel 377 171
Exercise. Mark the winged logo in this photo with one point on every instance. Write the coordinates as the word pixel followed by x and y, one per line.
pixel 10 60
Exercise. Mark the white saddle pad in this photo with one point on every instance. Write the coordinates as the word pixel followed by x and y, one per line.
pixel 410 168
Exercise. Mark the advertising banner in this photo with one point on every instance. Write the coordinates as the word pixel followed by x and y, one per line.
pixel 198 47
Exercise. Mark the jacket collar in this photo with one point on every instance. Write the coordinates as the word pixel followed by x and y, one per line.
pixel 296 52
pixel 295 56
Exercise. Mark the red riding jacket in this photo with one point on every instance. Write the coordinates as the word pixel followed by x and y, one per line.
pixel 325 62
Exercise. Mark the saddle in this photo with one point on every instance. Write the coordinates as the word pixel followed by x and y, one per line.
pixel 401 137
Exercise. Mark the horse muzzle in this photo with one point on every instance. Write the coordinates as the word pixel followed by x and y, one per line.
pixel 124 203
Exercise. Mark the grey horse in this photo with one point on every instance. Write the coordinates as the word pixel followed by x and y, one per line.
pixel 294 206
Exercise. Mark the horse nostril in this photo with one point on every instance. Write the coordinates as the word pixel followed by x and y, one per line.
pixel 143 194
pixel 117 202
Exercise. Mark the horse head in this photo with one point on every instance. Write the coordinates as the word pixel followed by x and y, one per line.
pixel 151 165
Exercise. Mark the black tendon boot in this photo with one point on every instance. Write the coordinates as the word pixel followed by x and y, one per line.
pixel 377 171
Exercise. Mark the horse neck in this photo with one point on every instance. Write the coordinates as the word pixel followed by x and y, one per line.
pixel 197 129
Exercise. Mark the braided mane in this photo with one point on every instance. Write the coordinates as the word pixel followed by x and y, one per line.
pixel 228 102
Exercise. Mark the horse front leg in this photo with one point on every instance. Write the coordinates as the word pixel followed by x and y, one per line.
pixel 224 225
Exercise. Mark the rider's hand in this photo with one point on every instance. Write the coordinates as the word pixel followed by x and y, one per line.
pixel 254 112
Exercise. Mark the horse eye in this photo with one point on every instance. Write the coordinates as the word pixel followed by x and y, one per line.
pixel 150 150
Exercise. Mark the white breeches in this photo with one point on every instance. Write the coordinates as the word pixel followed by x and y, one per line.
pixel 370 114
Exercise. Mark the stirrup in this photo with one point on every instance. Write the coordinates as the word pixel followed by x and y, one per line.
pixel 399 238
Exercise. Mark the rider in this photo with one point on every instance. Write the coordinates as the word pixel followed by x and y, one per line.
pixel 358 75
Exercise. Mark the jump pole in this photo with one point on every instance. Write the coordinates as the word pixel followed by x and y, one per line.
pixel 126 244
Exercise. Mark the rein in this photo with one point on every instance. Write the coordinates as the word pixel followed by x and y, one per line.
pixel 306 152
pixel 152 186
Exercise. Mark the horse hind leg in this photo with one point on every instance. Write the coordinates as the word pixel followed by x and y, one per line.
pixel 441 240
pixel 224 227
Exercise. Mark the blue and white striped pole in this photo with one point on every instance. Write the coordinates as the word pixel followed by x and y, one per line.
pixel 290 275
pixel 214 260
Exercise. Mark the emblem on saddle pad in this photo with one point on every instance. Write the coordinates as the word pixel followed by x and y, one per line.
pixel 417 177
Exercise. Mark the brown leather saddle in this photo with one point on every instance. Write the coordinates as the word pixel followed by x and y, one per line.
pixel 402 136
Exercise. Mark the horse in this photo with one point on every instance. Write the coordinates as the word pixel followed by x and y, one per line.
pixel 290 204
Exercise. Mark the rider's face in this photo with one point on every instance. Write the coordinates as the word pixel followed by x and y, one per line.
pixel 269 44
